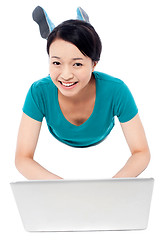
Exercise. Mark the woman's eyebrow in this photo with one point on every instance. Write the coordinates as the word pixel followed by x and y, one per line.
pixel 72 58
pixel 55 57
pixel 77 58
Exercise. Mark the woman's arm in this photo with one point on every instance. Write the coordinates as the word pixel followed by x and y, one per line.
pixel 26 144
pixel 137 142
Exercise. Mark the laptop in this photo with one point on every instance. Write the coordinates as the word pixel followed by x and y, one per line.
pixel 84 205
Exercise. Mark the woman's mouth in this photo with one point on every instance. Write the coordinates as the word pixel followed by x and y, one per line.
pixel 68 84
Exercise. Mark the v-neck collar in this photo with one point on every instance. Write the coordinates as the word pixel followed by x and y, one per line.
pixel 90 117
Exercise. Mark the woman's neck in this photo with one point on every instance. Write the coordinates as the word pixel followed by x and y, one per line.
pixel 88 92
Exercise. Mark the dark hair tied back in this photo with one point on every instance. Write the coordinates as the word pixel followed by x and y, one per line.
pixel 79 33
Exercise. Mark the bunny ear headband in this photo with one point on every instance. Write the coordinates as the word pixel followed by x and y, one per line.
pixel 45 24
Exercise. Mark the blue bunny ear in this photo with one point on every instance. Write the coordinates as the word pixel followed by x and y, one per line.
pixel 45 24
pixel 82 15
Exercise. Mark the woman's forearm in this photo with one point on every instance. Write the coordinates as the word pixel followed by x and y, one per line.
pixel 135 165
pixel 32 170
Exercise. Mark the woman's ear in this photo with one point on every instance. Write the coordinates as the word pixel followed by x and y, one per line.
pixel 94 65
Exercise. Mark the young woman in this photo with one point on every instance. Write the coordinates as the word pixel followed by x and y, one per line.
pixel 79 103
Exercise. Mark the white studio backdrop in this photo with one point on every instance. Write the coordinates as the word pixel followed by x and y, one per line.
pixel 129 31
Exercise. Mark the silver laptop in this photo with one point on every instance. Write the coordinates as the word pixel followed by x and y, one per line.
pixel 84 205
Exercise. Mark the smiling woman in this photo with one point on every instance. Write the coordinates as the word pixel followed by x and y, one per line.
pixel 79 103
pixel 70 70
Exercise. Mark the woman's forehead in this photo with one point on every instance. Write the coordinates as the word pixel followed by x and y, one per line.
pixel 60 49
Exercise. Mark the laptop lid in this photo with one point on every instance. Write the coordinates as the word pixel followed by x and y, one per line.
pixel 84 205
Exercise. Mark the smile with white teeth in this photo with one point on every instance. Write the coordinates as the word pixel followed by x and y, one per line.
pixel 67 84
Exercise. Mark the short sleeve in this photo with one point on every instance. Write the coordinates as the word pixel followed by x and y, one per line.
pixel 32 105
pixel 125 106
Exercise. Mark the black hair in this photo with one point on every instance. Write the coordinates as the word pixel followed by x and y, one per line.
pixel 81 34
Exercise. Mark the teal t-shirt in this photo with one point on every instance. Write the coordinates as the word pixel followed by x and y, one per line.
pixel 113 98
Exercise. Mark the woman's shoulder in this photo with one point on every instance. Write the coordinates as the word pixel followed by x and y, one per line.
pixel 108 79
pixel 43 82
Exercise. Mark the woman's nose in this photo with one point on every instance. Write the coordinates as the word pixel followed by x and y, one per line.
pixel 66 74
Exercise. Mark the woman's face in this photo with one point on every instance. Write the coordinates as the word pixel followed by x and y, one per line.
pixel 70 70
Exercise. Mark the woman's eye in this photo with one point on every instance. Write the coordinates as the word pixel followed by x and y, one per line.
pixel 56 63
pixel 78 64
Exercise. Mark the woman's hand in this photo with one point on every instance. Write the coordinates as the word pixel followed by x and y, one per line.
pixel 26 144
